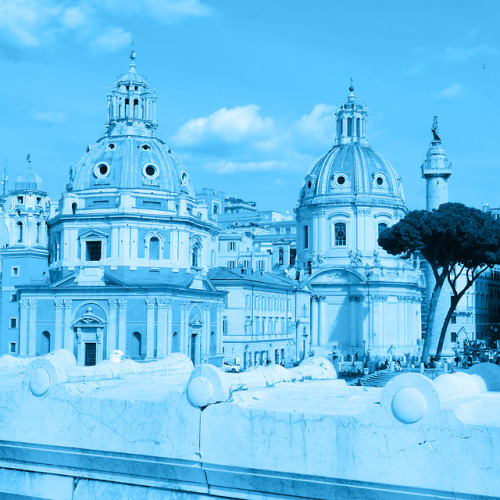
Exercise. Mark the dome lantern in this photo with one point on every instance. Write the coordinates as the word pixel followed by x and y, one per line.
pixel 351 121
pixel 131 105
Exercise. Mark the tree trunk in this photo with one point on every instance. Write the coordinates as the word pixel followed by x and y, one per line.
pixel 454 302
pixel 436 293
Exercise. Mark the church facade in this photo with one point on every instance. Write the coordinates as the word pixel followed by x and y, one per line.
pixel 364 300
pixel 122 264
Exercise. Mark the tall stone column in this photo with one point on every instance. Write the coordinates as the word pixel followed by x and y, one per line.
pixel 205 347
pixel 32 328
pixel 23 327
pixel 170 331
pixel 314 321
pixel 113 305
pixel 122 325
pixel 322 328
pixel 184 341
pixel 58 341
pixel 162 329
pixel 68 330
pixel 150 328
pixel 219 329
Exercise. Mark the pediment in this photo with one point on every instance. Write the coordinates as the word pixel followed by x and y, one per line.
pixel 337 276
pixel 93 233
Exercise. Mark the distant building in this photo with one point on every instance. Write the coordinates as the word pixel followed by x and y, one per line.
pixel 266 317
pixel 363 298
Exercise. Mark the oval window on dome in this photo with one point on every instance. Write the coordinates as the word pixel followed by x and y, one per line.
pixel 146 147
pixel 101 170
pixel 309 184
pixel 340 180
pixel 111 146
pixel 184 177
pixel 380 181
pixel 150 171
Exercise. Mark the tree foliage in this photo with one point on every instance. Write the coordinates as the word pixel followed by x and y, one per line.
pixel 457 241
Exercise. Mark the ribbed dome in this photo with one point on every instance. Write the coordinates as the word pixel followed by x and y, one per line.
pixel 131 162
pixel 352 169
pixel 29 181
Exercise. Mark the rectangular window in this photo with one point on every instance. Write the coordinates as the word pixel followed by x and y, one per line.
pixel 340 234
pixel 13 297
pixel 245 263
pixel 94 250
pixel 20 200
pixel 12 348
pixel 453 336
pixel 306 236
pixel 261 265
pixel 14 271
pixel 13 322
pixel 231 264
pixel 231 246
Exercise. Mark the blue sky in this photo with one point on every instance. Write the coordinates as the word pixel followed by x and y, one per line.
pixel 247 89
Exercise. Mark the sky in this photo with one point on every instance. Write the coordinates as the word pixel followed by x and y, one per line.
pixel 247 89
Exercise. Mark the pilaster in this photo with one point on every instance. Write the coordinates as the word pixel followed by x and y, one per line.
pixel 58 341
pixel 150 327
pixel 122 325
pixel 68 330
pixel 23 327
pixel 113 305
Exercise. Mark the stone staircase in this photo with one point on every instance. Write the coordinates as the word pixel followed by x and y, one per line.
pixel 378 379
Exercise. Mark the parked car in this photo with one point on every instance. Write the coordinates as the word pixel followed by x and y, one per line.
pixel 229 367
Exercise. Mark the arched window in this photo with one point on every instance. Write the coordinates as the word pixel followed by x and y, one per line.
pixel 136 345
pixel 341 127
pixel 358 127
pixel 381 228
pixel 154 248
pixel 349 127
pixel 340 234
pixel 195 255
pixel 19 232
pixel 38 231
pixel 306 236
pixel 74 206
pixel 43 343
pixel 280 258
pixel 126 107
pixel 136 108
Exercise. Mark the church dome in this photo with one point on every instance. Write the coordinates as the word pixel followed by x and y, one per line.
pixel 28 181
pixel 131 162
pixel 129 156
pixel 352 170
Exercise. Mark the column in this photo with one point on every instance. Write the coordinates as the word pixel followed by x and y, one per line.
pixel 184 328
pixel 219 328
pixel 162 347
pixel 314 321
pixel 113 305
pixel 122 324
pixel 32 328
pixel 58 334
pixel 68 330
pixel 205 347
pixel 23 328
pixel 170 331
pixel 150 328
pixel 322 327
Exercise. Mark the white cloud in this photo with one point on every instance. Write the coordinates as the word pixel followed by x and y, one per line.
pixel 227 125
pixel 111 39
pixel 49 116
pixel 454 90
pixel 240 139
pixel 30 25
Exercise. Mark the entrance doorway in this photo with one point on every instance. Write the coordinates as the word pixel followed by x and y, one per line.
pixel 90 353
pixel 192 347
